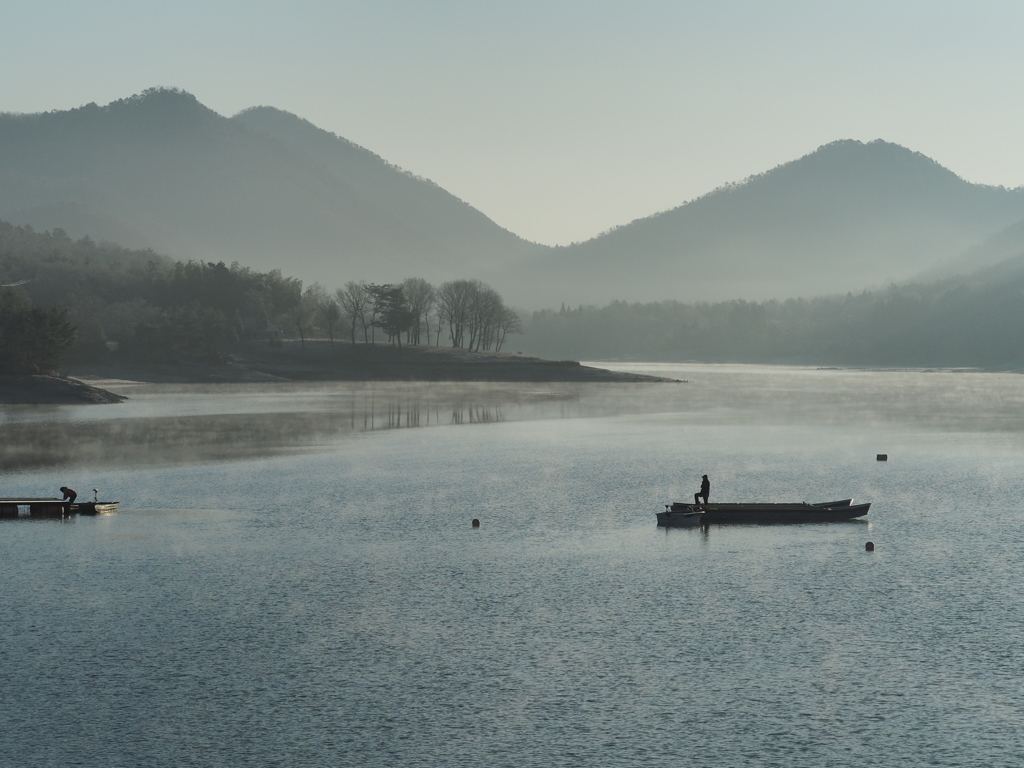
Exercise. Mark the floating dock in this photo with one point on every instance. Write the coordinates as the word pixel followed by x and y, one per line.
pixel 11 508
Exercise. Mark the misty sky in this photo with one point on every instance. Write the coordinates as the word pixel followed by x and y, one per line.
pixel 562 118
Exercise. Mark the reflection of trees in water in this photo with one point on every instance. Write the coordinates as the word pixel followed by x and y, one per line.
pixel 128 442
pixel 398 415
pixel 479 414
pixel 405 415
pixel 167 440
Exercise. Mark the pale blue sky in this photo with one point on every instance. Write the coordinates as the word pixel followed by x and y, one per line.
pixel 559 119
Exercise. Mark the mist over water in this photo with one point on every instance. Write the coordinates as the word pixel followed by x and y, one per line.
pixel 292 578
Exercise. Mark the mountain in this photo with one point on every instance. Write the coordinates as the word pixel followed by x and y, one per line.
pixel 264 187
pixel 848 216
pixel 270 190
pixel 1006 245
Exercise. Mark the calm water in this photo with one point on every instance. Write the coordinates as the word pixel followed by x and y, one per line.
pixel 292 579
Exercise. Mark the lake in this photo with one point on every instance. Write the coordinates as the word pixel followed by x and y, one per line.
pixel 292 578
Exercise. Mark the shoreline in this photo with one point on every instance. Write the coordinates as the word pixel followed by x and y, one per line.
pixel 322 361
pixel 315 361
pixel 52 390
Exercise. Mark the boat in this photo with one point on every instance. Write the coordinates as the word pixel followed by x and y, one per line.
pixel 94 507
pixel 681 515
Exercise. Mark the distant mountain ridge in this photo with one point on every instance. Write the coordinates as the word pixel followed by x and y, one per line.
pixel 271 190
pixel 1004 247
pixel 265 188
pixel 848 216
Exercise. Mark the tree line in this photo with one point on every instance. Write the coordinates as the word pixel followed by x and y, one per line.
pixel 468 313
pixel 68 299
pixel 32 339
pixel 90 295
pixel 968 320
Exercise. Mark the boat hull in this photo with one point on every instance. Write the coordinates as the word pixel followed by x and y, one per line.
pixel 688 515
pixel 94 507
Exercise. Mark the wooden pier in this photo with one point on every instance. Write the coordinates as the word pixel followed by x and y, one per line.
pixel 36 507
pixel 11 508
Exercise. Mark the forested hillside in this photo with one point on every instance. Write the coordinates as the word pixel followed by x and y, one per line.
pixel 144 302
pixel 73 297
pixel 92 300
pixel 977 320
pixel 265 188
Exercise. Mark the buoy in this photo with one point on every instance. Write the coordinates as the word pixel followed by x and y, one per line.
pixel 882 457
pixel 476 523
pixel 870 546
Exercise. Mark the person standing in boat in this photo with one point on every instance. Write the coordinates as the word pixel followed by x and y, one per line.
pixel 705 489
pixel 69 495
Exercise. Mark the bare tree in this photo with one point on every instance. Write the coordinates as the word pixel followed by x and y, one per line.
pixel 454 298
pixel 331 314
pixel 440 320
pixel 420 298
pixel 354 302
pixel 473 311
pixel 508 322
pixel 485 309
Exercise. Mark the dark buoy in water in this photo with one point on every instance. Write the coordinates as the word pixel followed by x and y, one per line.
pixel 476 523
pixel 869 547
pixel 882 457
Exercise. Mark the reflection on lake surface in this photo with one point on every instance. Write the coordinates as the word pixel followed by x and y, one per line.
pixel 293 579
pixel 177 423
pixel 166 425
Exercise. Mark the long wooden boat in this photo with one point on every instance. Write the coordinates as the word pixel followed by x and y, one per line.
pixel 681 515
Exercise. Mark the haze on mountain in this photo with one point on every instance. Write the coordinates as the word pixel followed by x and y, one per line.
pixel 270 190
pixel 1004 247
pixel 264 187
pixel 963 320
pixel 848 216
